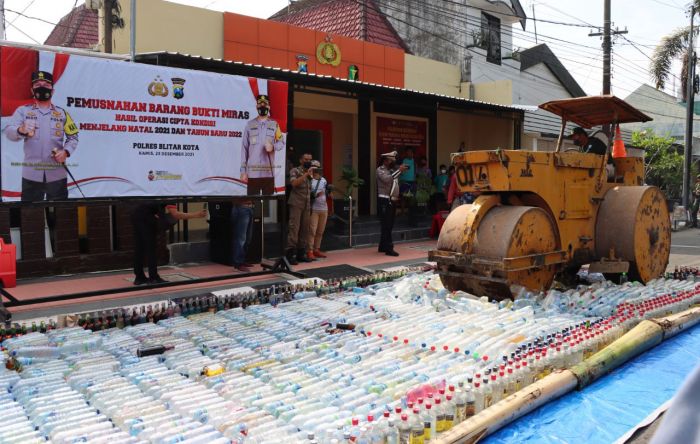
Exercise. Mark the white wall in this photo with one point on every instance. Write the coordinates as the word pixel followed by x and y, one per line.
pixel 538 85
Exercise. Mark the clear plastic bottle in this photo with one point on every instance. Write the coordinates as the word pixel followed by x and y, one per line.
pixel 478 393
pixel 404 430
pixel 417 435
pixel 449 408
pixel 391 434
pixel 460 403
pixel 496 388
pixel 429 423
pixel 439 415
pixel 488 393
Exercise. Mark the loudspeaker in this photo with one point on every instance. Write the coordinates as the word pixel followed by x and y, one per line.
pixel 220 236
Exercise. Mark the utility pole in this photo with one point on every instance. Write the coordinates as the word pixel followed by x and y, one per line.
pixel 690 104
pixel 607 45
pixel 535 21
pixel 607 52
pixel 2 19
pixel 107 14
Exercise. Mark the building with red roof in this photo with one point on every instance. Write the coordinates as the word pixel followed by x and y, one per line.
pixel 77 29
pixel 349 18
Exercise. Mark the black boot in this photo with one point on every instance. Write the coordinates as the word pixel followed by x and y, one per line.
pixel 291 257
pixel 301 256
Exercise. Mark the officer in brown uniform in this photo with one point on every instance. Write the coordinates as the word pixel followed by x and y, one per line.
pixel 299 210
pixel 387 199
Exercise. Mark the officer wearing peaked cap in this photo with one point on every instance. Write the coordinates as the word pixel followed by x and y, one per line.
pixel 262 137
pixel 49 136
pixel 387 198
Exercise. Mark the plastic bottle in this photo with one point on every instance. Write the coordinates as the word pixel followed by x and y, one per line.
pixel 417 434
pixel 488 393
pixel 478 392
pixel 429 423
pixel 404 429
pixel 391 434
pixel 460 403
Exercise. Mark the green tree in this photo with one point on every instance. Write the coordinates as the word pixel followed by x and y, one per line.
pixel 663 162
pixel 671 47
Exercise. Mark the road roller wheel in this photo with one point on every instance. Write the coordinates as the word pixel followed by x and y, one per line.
pixel 634 225
pixel 501 232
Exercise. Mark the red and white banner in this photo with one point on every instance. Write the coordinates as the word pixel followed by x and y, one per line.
pixel 142 130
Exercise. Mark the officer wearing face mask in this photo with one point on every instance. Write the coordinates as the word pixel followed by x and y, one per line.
pixel 299 210
pixel 262 137
pixel 50 136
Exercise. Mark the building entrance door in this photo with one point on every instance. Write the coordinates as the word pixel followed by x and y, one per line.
pixel 314 137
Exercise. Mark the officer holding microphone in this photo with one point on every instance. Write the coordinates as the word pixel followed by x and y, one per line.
pixel 50 136
pixel 299 210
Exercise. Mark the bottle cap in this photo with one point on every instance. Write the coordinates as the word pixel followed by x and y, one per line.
pixel 355 421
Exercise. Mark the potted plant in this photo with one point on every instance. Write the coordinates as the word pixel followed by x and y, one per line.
pixel 424 189
pixel 341 196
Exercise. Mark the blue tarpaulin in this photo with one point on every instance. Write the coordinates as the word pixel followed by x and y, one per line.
pixel 608 408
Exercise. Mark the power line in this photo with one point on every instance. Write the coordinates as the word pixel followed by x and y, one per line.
pixel 33 18
pixel 669 5
pixel 23 10
pixel 55 25
pixel 470 50
pixel 594 26
pixel 629 64
pixel 468 19
pixel 440 37
pixel 514 15
pixel 451 41
pixel 25 34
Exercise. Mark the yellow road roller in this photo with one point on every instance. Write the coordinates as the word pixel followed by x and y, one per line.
pixel 542 213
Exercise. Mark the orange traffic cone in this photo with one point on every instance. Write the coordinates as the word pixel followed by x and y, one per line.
pixel 618 145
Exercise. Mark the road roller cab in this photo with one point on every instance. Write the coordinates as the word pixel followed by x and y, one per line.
pixel 542 213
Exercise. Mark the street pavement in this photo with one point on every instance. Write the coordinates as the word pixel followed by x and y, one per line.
pixel 685 248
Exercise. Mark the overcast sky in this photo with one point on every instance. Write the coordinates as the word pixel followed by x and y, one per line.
pixel 646 20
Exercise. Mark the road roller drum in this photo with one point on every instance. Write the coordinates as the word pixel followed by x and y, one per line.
pixel 633 224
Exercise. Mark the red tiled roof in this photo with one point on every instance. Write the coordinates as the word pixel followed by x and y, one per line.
pixel 349 18
pixel 77 29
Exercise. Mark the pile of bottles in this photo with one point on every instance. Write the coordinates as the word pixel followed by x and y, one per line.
pixel 683 273
pixel 10 331
pixel 388 362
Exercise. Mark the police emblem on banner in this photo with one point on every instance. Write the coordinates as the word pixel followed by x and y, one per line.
pixel 353 72
pixel 328 52
pixel 158 88
pixel 302 63
pixel 178 87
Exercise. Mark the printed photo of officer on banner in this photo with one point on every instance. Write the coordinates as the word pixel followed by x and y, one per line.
pixel 262 140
